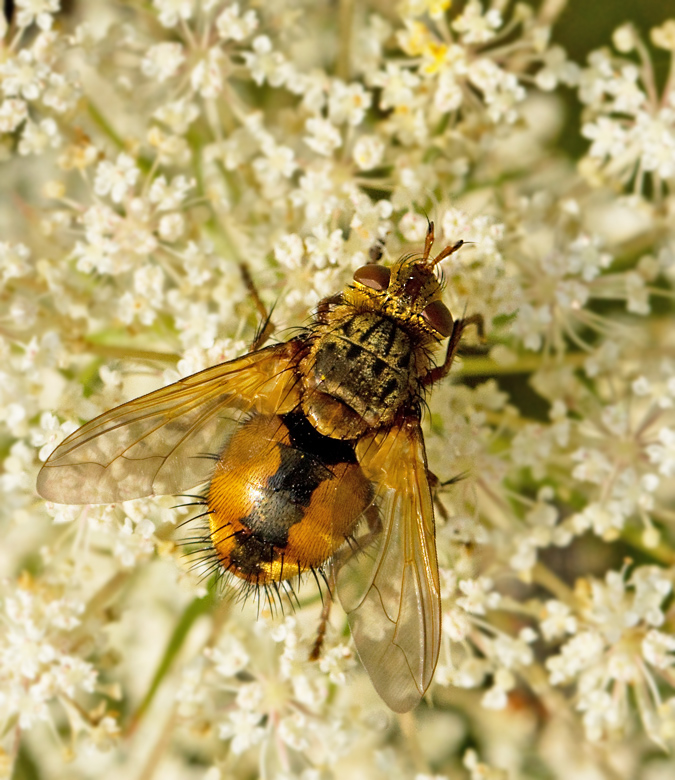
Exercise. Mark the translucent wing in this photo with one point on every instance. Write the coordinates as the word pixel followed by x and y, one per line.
pixel 157 443
pixel 390 590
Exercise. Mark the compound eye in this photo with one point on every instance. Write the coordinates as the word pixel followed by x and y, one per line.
pixel 374 276
pixel 438 316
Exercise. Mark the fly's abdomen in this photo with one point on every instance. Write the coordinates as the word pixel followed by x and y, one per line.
pixel 283 498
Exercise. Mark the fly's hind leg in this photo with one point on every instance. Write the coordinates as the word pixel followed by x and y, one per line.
pixel 266 327
pixel 315 654
pixel 372 527
pixel 458 328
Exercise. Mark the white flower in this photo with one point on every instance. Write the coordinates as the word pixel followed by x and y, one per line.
pixel 277 163
pixel 624 38
pixel 663 453
pixel 324 137
pixel 266 64
pixel 558 621
pixel 557 69
pixel 456 624
pixel 294 731
pixel 471 673
pixel 178 115
pixel 289 250
pixel 171 227
pixel 23 76
pixel 33 669
pixel 113 267
pixel 36 138
pixel 398 86
pixel 232 26
pixel 172 11
pixel 169 197
pixel 324 247
pixel 38 11
pixel 12 113
pixel 250 696
pixel 478 596
pixel 146 298
pixel 413 226
pixel 61 93
pixel 14 260
pixel 229 657
pixel 579 653
pixel 659 649
pixel 243 729
pixel 601 714
pixel 163 60
pixel 449 95
pixel 664 35
pixel 337 662
pixel 501 89
pixel 628 97
pixel 495 698
pixel 651 588
pixel 476 27
pixel 207 75
pixel 116 179
pixel 637 294
pixel 530 324
pixel 656 137
pixel 585 258
pixel 347 103
pixel 368 152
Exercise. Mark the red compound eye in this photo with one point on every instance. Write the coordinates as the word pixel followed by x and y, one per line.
pixel 374 276
pixel 438 316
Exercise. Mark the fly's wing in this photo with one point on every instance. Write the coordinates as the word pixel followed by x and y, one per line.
pixel 164 442
pixel 390 588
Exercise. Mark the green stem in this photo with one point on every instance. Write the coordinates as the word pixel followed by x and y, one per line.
pixel 193 611
pixel 547 579
pixel 129 353
pixel 104 125
pixel 524 364
pixel 662 553
pixel 346 23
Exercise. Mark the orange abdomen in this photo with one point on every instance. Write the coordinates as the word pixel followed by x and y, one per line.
pixel 283 498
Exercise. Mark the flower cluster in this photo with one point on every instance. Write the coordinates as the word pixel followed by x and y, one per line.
pixel 41 665
pixel 629 119
pixel 616 652
pixel 152 150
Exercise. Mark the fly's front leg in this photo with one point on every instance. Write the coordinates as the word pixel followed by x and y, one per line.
pixel 458 328
pixel 326 306
pixel 266 327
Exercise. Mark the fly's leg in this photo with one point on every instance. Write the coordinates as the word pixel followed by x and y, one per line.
pixel 458 328
pixel 321 631
pixel 436 486
pixel 266 327
pixel 326 306
pixel 353 546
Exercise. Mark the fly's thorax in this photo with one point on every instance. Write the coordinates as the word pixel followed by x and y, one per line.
pixel 362 369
